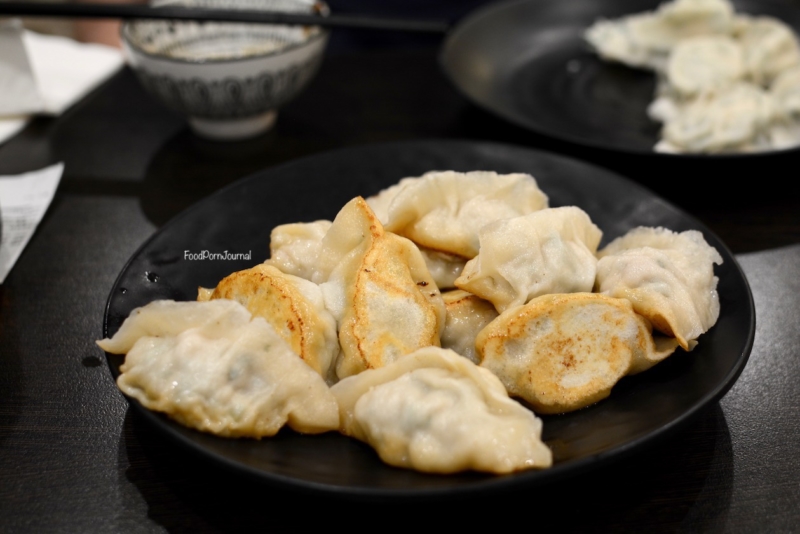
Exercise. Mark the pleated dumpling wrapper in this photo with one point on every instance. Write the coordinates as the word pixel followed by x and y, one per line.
pixel 210 367
pixel 437 412
pixel 294 307
pixel 770 47
pixel 667 276
pixel 703 64
pixel 565 352
pixel 379 290
pixel 294 247
pixel 443 211
pixel 786 91
pixel 738 116
pixel 646 39
pixel 444 267
pixel 467 314
pixel 548 251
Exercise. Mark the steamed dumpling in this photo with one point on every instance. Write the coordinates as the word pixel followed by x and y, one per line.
pixel 738 117
pixel 467 315
pixel 716 71
pixel 437 412
pixel 786 92
pixel 380 202
pixel 293 306
pixel 770 47
pixel 380 291
pixel 668 276
pixel 443 211
pixel 294 247
pixel 210 367
pixel 548 251
pixel 444 268
pixel 704 64
pixel 564 352
pixel 646 39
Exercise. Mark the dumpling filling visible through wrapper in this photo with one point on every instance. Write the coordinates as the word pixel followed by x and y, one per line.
pixel 435 411
pixel 444 210
pixel 210 367
pixel 548 251
pixel 294 307
pixel 667 276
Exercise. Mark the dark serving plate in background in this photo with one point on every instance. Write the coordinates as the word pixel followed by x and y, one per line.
pixel 239 218
pixel 526 62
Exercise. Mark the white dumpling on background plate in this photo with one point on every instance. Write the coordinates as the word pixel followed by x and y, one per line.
pixel 703 64
pixel 737 117
pixel 769 46
pixel 646 39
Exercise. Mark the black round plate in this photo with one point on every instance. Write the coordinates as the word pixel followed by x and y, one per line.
pixel 239 218
pixel 526 61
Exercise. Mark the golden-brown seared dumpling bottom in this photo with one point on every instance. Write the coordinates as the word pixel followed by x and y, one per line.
pixel 293 306
pixel 563 352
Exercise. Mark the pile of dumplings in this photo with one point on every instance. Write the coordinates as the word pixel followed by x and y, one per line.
pixel 431 321
pixel 727 82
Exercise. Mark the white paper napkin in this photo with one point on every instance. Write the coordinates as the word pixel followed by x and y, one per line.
pixel 24 199
pixel 46 74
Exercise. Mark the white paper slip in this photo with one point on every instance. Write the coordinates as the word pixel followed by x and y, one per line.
pixel 66 70
pixel 17 81
pixel 24 199
pixel 46 74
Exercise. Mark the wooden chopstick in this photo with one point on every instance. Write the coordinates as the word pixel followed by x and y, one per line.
pixel 134 11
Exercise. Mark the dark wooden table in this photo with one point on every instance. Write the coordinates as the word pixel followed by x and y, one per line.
pixel 73 458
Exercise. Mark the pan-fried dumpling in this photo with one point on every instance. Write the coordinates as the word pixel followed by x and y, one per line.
pixel 548 251
pixel 435 411
pixel 210 367
pixel 294 247
pixel 293 306
pixel 669 278
pixel 467 315
pixel 443 211
pixel 564 352
pixel 444 267
pixel 384 300
pixel 646 39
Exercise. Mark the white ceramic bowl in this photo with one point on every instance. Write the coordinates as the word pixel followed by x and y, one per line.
pixel 229 79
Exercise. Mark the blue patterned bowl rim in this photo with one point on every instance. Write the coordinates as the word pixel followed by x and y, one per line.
pixel 322 7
